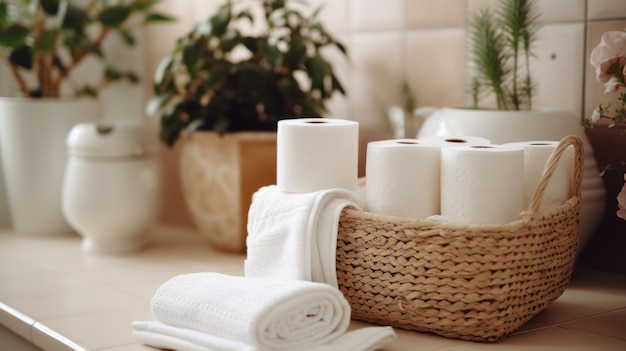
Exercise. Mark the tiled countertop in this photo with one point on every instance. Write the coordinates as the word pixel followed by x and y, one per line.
pixel 60 298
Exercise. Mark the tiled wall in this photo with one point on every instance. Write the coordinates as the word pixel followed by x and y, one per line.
pixel 424 42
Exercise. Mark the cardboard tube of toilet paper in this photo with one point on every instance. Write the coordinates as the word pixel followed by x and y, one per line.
pixel 536 154
pixel 482 184
pixel 403 178
pixel 316 153
pixel 448 140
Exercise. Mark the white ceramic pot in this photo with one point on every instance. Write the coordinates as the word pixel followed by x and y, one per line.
pixel 219 174
pixel 32 141
pixel 514 126
pixel 111 189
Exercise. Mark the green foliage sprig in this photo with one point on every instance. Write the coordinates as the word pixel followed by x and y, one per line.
pixel 500 54
pixel 43 41
pixel 221 78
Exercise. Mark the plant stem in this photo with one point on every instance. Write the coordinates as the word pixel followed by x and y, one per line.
pixel 78 57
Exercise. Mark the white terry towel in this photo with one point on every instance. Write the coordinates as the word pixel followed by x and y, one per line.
pixel 295 235
pixel 212 311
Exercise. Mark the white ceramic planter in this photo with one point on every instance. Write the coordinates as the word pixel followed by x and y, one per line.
pixel 514 126
pixel 32 141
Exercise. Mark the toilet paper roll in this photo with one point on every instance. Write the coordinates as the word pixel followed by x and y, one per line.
pixel 454 140
pixel 316 153
pixel 482 184
pixel 536 154
pixel 403 178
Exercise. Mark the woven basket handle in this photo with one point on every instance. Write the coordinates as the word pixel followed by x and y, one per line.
pixel 553 161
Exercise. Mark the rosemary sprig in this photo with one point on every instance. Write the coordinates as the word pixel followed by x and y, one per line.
pixel 501 52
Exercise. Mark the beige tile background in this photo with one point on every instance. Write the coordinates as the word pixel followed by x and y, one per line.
pixel 422 41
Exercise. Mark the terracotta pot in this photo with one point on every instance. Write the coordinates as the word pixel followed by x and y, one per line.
pixel 515 126
pixel 219 175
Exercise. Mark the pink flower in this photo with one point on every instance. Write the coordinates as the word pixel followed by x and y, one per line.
pixel 612 49
pixel 621 201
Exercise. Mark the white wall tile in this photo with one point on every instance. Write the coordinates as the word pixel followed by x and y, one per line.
pixel 338 106
pixel 335 15
pixel 549 10
pixel 561 10
pixel 435 66
pixel 428 13
pixel 377 72
pixel 376 15
pixel 557 67
pixel 606 9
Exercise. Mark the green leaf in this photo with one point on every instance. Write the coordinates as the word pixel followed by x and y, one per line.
pixel 50 6
pixel 220 21
pixel 247 15
pixel 250 43
pixel 341 48
pixel 273 54
pixel 88 91
pixel 112 74
pixel 158 17
pixel 22 56
pixel 296 53
pixel 128 38
pixel 75 18
pixel 4 13
pixel 14 35
pixel 217 74
pixel 336 84
pixel 164 69
pixel 192 55
pixel 132 77
pixel 156 103
pixel 318 71
pixel 114 16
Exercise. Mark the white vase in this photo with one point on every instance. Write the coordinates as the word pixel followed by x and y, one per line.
pixel 34 155
pixel 514 126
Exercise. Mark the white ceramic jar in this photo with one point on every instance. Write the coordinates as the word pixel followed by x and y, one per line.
pixel 111 185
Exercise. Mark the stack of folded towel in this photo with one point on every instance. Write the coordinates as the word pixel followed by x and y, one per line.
pixel 212 311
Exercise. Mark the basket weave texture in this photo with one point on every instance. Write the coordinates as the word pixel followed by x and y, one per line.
pixel 471 282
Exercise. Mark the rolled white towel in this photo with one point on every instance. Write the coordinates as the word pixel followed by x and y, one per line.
pixel 212 311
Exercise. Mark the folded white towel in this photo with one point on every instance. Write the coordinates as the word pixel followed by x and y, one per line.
pixel 212 311
pixel 295 235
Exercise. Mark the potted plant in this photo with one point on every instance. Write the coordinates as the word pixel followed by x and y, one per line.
pixel 501 90
pixel 42 44
pixel 222 91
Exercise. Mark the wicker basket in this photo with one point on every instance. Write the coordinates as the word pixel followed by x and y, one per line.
pixel 472 282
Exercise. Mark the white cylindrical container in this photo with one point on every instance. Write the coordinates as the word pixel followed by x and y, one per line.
pixel 111 185
pixel 313 154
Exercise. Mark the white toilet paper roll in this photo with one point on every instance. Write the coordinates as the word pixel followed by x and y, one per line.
pixel 454 140
pixel 403 178
pixel 536 154
pixel 482 184
pixel 316 153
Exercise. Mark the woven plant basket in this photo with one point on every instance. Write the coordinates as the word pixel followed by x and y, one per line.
pixel 471 282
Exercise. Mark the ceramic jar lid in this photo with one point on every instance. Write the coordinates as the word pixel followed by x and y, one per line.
pixel 111 139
